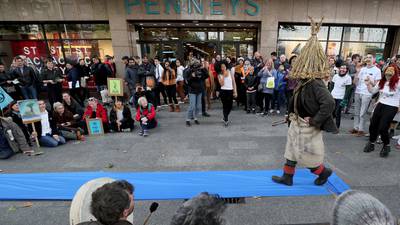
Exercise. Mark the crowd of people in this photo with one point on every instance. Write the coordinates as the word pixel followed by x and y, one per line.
pixel 257 85
pixel 112 203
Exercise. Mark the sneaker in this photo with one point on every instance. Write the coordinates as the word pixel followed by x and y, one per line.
pixel 145 133
pixel 369 147
pixel 188 124
pixel 205 114
pixel 278 112
pixel 396 137
pixel 140 133
pixel 226 123
pixel 271 111
pixel 385 151
pixel 196 122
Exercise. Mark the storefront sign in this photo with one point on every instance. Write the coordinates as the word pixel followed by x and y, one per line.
pixel 217 7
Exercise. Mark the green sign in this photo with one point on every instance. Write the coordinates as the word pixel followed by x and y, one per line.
pixel 217 7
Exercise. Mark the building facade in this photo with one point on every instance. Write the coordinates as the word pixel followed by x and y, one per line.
pixel 74 29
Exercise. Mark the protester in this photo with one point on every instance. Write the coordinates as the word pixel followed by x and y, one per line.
pixel 6 82
pixel 15 114
pixel 52 79
pixel 95 110
pixel 160 88
pixel 362 96
pixel 227 93
pixel 46 129
pixel 168 79
pixel 72 105
pixel 385 110
pixel 180 80
pixel 239 80
pixel 26 77
pixel 121 117
pixel 147 74
pixel 279 90
pixel 132 78
pixel 12 139
pixel 66 123
pixel 100 72
pixel 204 97
pixel 204 209
pixel 341 84
pixel 73 81
pixel 83 74
pixel 267 82
pixel 146 116
pixel 251 83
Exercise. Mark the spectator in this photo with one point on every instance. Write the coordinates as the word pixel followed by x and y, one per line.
pixel 71 105
pixel 204 209
pixel 46 129
pixel 359 208
pixel 12 139
pixel 160 88
pixel 341 88
pixel 52 79
pixel 279 90
pixel 228 92
pixel 251 83
pixel 282 61
pixel 95 110
pixel 84 74
pixel 209 89
pixel 274 57
pixel 146 115
pixel 121 117
pixel 66 123
pixel 111 204
pixel 168 79
pixel 132 78
pixel 290 83
pixel 100 72
pixel 109 62
pixel 26 77
pixel 239 80
pixel 14 113
pixel 125 61
pixel 147 75
pixel 204 93
pixel 362 96
pixel 6 82
pixel 179 80
pixel 267 81
pixel 73 79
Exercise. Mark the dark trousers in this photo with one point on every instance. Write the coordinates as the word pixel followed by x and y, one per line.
pixel 149 125
pixel 227 101
pixel 278 100
pixel 160 89
pixel 171 93
pixel 380 122
pixel 126 124
pixel 289 95
pixel 338 112
pixel 6 153
pixel 266 97
pixel 54 93
pixel 203 100
pixel 251 100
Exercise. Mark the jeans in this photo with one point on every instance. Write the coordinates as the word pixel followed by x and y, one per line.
pixel 361 103
pixel 267 101
pixel 380 122
pixel 29 92
pixel 149 125
pixel 194 106
pixel 227 102
pixel 251 101
pixel 278 99
pixel 338 112
pixel 50 141
pixel 6 153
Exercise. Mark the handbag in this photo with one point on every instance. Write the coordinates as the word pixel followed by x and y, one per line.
pixel 270 82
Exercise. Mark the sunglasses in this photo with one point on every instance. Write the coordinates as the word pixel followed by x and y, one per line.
pixel 91 99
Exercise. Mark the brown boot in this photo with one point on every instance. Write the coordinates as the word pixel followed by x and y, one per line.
pixel 177 108
pixel 171 107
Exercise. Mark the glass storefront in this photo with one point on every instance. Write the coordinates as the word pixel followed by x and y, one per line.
pixel 335 40
pixel 204 42
pixel 59 41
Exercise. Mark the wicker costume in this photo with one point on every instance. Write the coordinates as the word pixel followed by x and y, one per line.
pixel 310 112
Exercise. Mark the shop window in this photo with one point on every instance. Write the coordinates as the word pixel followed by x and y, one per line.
pixel 246 50
pixel 335 33
pixel 159 34
pixel 366 34
pixel 289 48
pixel 85 31
pixel 21 32
pixel 34 51
pixel 85 49
pixel 213 36
pixel 52 31
pixel 238 35
pixel 350 48
pixel 151 50
pixel 193 35
pixel 295 32
pixel 228 50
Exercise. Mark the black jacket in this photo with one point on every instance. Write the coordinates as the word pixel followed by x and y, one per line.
pixel 27 78
pixel 121 222
pixel 54 75
pixel 74 108
pixel 195 79
pixel 315 100
pixel 101 72
pixel 126 113
pixel 251 81
pixel 144 71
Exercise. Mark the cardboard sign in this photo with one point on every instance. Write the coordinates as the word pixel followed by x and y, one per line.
pixel 95 126
pixel 5 99
pixel 29 110
pixel 115 87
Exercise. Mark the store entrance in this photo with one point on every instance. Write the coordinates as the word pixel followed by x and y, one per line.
pixel 175 40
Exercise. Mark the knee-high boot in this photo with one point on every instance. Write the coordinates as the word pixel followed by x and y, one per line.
pixel 288 172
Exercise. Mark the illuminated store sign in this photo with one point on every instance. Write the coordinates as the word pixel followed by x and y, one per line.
pixel 167 7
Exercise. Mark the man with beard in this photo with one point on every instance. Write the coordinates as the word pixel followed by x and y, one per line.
pixel 147 77
pixel 132 78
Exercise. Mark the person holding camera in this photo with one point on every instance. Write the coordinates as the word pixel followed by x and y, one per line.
pixel 146 116
pixel 195 77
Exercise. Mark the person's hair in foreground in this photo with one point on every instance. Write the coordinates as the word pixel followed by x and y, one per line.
pixel 204 209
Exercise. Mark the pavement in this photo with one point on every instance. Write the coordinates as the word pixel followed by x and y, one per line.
pixel 249 143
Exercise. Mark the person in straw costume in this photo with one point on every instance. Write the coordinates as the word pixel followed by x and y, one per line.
pixel 310 112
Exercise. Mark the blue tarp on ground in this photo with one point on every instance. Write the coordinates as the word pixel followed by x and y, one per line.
pixel 167 185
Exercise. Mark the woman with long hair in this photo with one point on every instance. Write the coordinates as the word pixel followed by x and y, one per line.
pixel 385 110
pixel 168 79
pixel 228 91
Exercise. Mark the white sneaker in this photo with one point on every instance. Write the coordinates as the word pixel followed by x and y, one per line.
pixel 271 111
pixel 278 112
pixel 396 137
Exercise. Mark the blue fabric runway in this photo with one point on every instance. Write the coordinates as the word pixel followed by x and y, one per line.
pixel 167 185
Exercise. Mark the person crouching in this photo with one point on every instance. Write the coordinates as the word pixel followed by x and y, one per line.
pixel 146 115
pixel 121 117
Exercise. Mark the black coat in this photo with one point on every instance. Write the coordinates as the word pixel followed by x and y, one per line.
pixel 74 108
pixel 315 100
pixel 101 72
pixel 54 75
pixel 27 78
pixel 126 113
pixel 146 70
pixel 251 81
pixel 195 79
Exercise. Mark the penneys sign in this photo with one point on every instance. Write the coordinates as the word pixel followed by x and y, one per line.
pixel 190 7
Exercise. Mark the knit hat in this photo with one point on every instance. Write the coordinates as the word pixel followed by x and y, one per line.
pixel 312 62
pixel 359 208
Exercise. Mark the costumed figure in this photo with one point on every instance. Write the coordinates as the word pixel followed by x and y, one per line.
pixel 310 112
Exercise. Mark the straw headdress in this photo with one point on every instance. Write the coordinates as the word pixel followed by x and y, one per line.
pixel 312 62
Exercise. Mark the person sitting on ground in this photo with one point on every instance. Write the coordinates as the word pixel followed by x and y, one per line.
pixel 95 110
pixel 72 105
pixel 359 208
pixel 112 203
pixel 46 129
pixel 15 114
pixel 12 139
pixel 66 123
pixel 121 117
pixel 146 115
pixel 204 209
